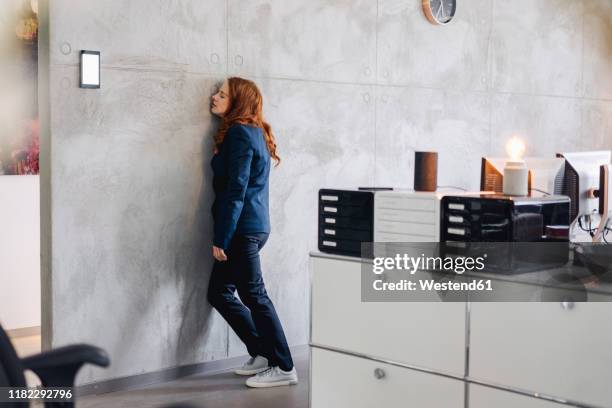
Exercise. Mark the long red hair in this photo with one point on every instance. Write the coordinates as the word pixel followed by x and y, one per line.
pixel 246 108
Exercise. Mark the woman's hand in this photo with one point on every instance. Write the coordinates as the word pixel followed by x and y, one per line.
pixel 219 254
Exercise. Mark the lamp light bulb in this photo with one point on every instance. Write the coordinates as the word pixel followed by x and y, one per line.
pixel 515 148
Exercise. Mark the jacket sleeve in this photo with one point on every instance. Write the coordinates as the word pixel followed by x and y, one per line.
pixel 240 156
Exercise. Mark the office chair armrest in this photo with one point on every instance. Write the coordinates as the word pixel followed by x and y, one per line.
pixel 58 367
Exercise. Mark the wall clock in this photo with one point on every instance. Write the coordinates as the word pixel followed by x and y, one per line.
pixel 439 12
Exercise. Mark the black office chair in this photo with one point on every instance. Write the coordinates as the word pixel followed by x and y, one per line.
pixel 55 368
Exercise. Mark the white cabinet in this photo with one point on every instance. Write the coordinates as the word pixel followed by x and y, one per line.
pixel 428 334
pixel 486 397
pixel 546 348
pixel 345 381
pixel 550 349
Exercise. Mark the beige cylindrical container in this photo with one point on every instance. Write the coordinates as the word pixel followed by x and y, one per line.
pixel 516 177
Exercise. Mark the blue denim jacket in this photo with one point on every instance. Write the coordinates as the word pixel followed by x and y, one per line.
pixel 241 172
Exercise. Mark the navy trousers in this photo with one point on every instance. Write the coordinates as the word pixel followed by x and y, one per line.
pixel 254 319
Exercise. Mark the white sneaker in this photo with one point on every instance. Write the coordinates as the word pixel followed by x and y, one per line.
pixel 255 365
pixel 273 377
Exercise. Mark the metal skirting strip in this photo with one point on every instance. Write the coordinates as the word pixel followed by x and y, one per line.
pixel 466 379
pixel 169 374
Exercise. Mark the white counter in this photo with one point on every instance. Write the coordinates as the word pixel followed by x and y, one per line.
pixel 452 354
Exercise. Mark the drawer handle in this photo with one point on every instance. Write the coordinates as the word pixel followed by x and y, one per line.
pixel 455 218
pixel 456 231
pixel 379 373
pixel 329 198
pixel 567 305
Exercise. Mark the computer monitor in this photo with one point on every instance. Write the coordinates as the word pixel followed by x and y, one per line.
pixel 545 174
pixel 582 180
pixel 603 194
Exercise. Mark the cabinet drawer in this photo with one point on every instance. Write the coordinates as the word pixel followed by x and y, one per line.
pixel 419 204
pixel 427 230
pixel 542 347
pixel 345 222
pixel 425 334
pixel 343 197
pixel 334 210
pixel 397 237
pixel 344 381
pixel 485 397
pixel 340 246
pixel 385 214
pixel 345 233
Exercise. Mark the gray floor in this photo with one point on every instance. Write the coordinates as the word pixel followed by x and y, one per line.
pixel 225 390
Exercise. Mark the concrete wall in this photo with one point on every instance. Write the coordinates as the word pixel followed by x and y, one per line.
pixel 351 88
